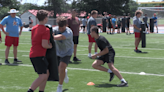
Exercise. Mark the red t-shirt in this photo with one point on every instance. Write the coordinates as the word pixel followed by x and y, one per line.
pixel 38 33
pixel 73 24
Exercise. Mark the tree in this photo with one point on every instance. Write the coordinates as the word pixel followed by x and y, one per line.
pixel 133 7
pixel 117 7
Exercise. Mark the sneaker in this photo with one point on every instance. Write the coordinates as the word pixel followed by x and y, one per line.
pixel 66 79
pixel 76 59
pixel 89 55
pixel 59 89
pixel 123 84
pixel 7 62
pixel 138 51
pixel 0 63
pixel 111 76
pixel 16 61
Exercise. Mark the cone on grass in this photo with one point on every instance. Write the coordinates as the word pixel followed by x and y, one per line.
pixel 90 84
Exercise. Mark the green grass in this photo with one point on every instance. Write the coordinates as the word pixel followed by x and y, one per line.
pixel 19 78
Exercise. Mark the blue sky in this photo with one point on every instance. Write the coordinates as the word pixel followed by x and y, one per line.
pixel 41 2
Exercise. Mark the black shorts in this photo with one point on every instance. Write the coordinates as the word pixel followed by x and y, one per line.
pixel 30 22
pixel 40 64
pixel 65 59
pixel 83 27
pixel 109 25
pixel 108 58
pixel 76 39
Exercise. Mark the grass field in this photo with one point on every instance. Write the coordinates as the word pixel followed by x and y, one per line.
pixel 19 78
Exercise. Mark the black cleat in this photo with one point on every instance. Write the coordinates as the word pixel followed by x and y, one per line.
pixel 123 84
pixel 111 76
pixel 138 51
pixel 70 61
pixel 16 61
pixel 7 62
pixel 76 59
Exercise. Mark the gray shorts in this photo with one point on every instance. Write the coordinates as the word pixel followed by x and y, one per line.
pixel 65 59
pixel 155 24
pixel 114 25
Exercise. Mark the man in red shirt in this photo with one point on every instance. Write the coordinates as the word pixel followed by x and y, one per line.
pixel 73 24
pixel 40 36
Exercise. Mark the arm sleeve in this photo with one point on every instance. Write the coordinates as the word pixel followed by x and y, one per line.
pixel 4 21
pixel 67 34
pixel 135 22
pixel 46 35
pixel 93 23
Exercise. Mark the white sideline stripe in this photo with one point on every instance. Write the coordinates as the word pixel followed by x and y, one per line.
pixel 126 47
pixel 15 87
pixel 117 56
pixel 134 73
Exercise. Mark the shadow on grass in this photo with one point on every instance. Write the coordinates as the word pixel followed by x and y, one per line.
pixel 64 90
pixel 75 62
pixel 14 64
pixel 143 53
pixel 105 85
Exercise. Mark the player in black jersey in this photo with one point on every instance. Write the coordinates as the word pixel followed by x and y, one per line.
pixel 106 55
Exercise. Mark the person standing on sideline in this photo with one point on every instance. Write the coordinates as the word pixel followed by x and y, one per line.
pixel 106 55
pixel 74 24
pixel 137 28
pixel 109 18
pixel 40 36
pixel 0 42
pixel 114 21
pixel 91 22
pixel 118 25
pixel 127 24
pixel 64 49
pixel 12 33
pixel 104 21
pixel 155 21
pixel 84 23
pixel 145 19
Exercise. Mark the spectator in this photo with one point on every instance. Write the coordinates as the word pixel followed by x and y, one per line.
pixel 118 25
pixel 12 33
pixel 74 24
pixel 84 23
pixel 91 22
pixel 155 21
pixel 145 18
pixel 109 20
pixel 114 21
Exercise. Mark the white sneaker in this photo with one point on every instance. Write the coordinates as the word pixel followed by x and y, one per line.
pixel 89 55
pixel 66 79
pixel 59 89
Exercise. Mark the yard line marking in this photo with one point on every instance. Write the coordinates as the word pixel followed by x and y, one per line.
pixel 126 47
pixel 18 50
pixel 118 56
pixel 83 69
pixel 15 87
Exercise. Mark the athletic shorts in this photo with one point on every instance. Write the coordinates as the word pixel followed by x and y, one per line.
pixel 40 64
pixel 76 39
pixel 30 22
pixel 91 39
pixel 109 26
pixel 155 24
pixel 11 41
pixel 83 27
pixel 108 58
pixel 65 59
pixel 137 35
pixel 114 25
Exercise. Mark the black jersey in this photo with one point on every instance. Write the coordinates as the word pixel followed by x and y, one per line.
pixel 109 20
pixel 102 43
pixel 128 21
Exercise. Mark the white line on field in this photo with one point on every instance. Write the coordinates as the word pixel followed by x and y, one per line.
pixel 116 56
pixel 134 73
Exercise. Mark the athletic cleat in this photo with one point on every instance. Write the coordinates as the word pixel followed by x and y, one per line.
pixel 89 56
pixel 0 63
pixel 123 84
pixel 70 61
pixel 66 79
pixel 138 51
pixel 59 89
pixel 76 59
pixel 7 62
pixel 111 76
pixel 17 61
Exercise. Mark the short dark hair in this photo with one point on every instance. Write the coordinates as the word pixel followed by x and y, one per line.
pixel 62 21
pixel 95 29
pixel 42 14
pixel 94 12
pixel 138 12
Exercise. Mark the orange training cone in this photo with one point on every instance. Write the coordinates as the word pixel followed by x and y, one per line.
pixel 90 84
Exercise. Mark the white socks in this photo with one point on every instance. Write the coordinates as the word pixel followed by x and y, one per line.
pixel 109 71
pixel 60 85
pixel 123 80
pixel 95 52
